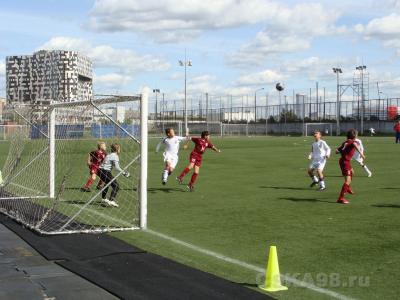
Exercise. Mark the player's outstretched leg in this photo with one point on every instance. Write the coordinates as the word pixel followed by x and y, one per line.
pixel 313 177
pixel 369 173
pixel 192 181
pixel 345 189
pixel 321 181
pixel 164 177
pixel 89 182
pixel 184 173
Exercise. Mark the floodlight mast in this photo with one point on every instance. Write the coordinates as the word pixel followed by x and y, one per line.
pixel 337 71
pixel 255 104
pixel 361 69
pixel 186 63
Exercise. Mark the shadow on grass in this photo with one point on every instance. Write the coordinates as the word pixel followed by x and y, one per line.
pixel 294 199
pixel 285 188
pixel 96 190
pixel 81 202
pixel 390 188
pixel 165 190
pixel 386 205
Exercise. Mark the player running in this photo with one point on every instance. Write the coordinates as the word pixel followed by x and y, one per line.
pixel 95 159
pixel 347 150
pixel 320 152
pixel 170 154
pixel 111 162
pixel 357 157
pixel 201 144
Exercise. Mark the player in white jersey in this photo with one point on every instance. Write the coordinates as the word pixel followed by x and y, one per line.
pixel 357 157
pixel 171 142
pixel 320 152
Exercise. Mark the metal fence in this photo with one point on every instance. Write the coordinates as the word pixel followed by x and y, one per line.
pixel 302 110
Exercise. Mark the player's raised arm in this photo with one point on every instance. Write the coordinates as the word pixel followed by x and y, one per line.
pixel 159 145
pixel 216 149
pixel 327 150
pixel 89 160
pixel 186 145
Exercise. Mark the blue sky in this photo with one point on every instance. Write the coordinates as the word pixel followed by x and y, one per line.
pixel 236 46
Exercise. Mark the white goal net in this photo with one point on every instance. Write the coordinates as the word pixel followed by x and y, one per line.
pixel 53 158
pixel 325 128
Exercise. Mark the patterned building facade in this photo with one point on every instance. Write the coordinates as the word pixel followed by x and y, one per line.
pixel 57 75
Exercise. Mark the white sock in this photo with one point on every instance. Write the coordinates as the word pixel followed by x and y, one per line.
pixel 322 184
pixel 315 179
pixel 366 169
pixel 165 175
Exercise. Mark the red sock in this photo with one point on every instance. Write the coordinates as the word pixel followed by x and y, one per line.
pixel 184 172
pixel 193 179
pixel 88 183
pixel 345 188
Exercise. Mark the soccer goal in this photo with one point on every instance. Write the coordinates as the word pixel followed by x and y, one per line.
pixel 325 128
pixel 47 165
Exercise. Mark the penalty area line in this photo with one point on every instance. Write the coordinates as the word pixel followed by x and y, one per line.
pixel 248 266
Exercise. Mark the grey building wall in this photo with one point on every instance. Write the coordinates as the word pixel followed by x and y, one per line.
pixel 60 76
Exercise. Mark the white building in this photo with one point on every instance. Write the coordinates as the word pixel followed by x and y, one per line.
pixel 59 76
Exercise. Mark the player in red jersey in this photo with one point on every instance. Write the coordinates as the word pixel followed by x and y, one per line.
pixel 347 149
pixel 201 144
pixel 95 159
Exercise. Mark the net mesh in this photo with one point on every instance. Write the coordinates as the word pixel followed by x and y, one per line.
pixel 28 192
pixel 324 128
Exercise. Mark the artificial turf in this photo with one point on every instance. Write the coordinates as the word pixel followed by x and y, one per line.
pixel 256 193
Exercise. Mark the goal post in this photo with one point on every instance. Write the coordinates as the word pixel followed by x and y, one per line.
pixel 46 166
pixel 325 128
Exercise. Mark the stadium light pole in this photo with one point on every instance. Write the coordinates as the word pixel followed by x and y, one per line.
pixel 337 71
pixel 185 63
pixel 156 91
pixel 255 103
pixel 361 69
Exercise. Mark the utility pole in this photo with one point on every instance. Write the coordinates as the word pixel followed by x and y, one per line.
pixel 337 71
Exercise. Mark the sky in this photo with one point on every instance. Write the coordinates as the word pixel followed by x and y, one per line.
pixel 236 47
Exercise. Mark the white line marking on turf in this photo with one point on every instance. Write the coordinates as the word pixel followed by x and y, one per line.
pixel 249 266
pixel 229 259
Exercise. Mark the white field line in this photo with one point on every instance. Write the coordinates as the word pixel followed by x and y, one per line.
pixel 248 266
pixel 228 259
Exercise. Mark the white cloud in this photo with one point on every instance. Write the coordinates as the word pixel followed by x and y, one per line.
pixel 112 80
pixel 291 29
pixel 259 78
pixel 385 29
pixel 175 20
pixel 104 56
pixel 203 84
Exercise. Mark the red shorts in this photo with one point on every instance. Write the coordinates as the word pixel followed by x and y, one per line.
pixel 195 159
pixel 93 169
pixel 346 167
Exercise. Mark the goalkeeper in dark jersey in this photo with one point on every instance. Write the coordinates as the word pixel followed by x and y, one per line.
pixel 111 162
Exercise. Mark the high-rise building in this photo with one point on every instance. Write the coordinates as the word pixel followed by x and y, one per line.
pixel 57 76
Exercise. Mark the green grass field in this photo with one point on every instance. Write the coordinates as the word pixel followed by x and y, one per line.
pixel 256 193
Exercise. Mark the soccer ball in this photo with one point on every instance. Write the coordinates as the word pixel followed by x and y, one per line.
pixel 280 87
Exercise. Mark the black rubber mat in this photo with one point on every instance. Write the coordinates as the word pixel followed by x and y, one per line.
pixel 128 272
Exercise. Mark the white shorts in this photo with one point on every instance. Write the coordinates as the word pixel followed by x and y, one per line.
pixel 172 159
pixel 318 164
